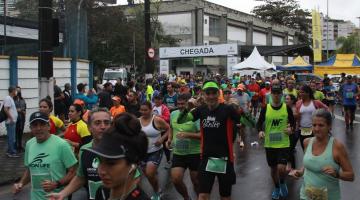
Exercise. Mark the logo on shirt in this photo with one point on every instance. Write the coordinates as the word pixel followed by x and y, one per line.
pixel 276 122
pixel 38 161
pixel 210 122
pixel 95 163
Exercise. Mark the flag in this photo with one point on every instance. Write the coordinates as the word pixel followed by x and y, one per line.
pixel 317 36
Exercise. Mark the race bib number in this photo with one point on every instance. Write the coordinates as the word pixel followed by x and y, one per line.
pixel 37 179
pixel 93 187
pixel 313 193
pixel 275 137
pixel 349 95
pixel 216 165
pixel 305 131
pixel 182 145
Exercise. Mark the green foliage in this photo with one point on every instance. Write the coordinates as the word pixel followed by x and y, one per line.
pixel 350 44
pixel 287 13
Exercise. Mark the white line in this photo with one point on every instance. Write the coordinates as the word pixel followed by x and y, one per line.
pixel 343 119
pixel 357 115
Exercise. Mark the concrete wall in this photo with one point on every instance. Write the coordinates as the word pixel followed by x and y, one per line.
pixel 28 79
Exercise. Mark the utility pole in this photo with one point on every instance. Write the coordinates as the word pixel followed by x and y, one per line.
pixel 46 48
pixel 149 64
pixel 5 16
pixel 327 30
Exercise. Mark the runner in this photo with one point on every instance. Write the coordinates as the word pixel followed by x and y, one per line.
pixel 120 150
pixel 117 107
pixel 279 124
pixel 47 168
pixel 56 125
pixel 290 101
pixel 290 88
pixel 254 88
pixel 217 143
pixel 264 93
pixel 348 92
pixel 153 126
pixel 330 95
pixel 170 98
pixel 318 95
pixel 133 105
pixel 185 139
pixel 87 175
pixel 304 110
pixel 243 102
pixel 160 109
pixel 326 161
pixel 77 133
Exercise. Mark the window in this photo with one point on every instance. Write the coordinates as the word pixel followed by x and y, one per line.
pixel 213 27
pixel 205 21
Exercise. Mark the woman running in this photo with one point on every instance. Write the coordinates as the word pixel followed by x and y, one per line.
pixel 56 125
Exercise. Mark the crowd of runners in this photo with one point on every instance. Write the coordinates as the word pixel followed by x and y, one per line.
pixel 114 138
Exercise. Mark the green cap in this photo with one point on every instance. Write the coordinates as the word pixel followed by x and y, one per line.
pixel 210 84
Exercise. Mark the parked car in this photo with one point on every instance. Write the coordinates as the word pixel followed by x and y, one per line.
pixel 305 78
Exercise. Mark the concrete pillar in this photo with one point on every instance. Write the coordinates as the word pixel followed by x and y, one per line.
pixel 285 42
pixel 269 42
pixel 223 39
pixel 197 19
pixel 249 33
pixel 13 71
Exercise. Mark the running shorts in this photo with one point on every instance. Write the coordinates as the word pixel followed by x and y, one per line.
pixel 154 157
pixel 275 156
pixel 191 161
pixel 351 108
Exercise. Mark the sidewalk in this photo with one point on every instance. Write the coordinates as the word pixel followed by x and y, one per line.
pixel 11 168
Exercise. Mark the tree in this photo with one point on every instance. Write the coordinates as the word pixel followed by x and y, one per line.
pixel 287 13
pixel 351 44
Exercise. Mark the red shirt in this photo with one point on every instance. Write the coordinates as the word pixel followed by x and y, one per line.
pixel 263 93
pixel 254 88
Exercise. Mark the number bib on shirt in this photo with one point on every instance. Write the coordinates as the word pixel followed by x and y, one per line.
pixel 38 178
pixel 216 165
pixel 349 95
pixel 306 131
pixel 275 137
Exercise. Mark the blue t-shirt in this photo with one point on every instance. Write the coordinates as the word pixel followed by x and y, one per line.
pixel 170 101
pixel 349 92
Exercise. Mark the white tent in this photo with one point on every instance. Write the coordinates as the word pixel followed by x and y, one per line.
pixel 254 62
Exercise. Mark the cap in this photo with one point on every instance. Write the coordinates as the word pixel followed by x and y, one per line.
pixel 226 90
pixel 109 147
pixel 79 102
pixel 210 85
pixel 116 98
pixel 267 83
pixel 38 116
pixel 349 77
pixel 241 87
pixel 276 88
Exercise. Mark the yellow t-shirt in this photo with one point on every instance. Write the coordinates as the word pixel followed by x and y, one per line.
pixel 55 124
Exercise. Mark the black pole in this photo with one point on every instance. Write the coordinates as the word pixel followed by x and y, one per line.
pixel 45 39
pixel 148 61
pixel 5 23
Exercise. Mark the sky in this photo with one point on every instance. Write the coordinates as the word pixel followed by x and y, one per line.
pixel 338 9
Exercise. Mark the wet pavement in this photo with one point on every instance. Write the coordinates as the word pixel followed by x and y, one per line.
pixel 253 174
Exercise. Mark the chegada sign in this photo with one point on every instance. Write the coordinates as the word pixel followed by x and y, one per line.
pixel 199 51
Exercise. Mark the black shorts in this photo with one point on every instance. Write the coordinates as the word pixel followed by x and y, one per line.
pixel 191 161
pixel 329 102
pixel 206 179
pixel 254 103
pixel 275 156
pixel 351 108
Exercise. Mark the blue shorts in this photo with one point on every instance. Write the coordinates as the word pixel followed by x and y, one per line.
pixel 154 157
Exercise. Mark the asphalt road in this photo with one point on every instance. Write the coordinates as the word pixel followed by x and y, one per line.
pixel 252 172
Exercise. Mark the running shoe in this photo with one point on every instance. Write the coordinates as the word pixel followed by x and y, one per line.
pixel 284 190
pixel 276 194
pixel 156 196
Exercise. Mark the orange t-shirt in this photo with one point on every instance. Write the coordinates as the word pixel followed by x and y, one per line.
pixel 117 110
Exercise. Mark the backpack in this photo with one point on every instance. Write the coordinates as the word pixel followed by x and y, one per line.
pixel 3 115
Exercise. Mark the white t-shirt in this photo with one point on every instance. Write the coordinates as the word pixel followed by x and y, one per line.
pixel 157 110
pixel 9 103
pixel 306 115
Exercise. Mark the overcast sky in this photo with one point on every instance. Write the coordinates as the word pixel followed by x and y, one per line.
pixel 338 9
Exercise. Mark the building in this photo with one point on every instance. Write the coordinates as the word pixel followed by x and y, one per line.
pixel 198 22
pixel 10 7
pixel 332 29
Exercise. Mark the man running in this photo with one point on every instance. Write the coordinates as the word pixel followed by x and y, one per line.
pixel 216 128
pixel 99 121
pixel 348 92
pixel 279 124
pixel 49 160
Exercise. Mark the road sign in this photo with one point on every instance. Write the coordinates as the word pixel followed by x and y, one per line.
pixel 151 52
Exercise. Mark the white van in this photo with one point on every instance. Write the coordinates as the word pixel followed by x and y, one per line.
pixel 112 74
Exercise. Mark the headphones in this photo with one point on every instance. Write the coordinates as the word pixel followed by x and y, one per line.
pixel 133 167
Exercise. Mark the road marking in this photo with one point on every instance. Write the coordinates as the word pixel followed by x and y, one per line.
pixel 343 119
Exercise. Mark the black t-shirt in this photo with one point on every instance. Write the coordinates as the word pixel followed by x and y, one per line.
pixel 217 129
pixel 89 163
pixel 57 92
pixel 105 100
pixel 137 194
pixel 133 109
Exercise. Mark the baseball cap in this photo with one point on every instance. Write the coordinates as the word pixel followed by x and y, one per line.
pixel 79 102
pixel 116 98
pixel 38 116
pixel 267 83
pixel 241 87
pixel 349 77
pixel 210 85
pixel 110 147
pixel 276 88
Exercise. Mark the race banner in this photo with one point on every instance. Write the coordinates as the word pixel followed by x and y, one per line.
pixel 317 36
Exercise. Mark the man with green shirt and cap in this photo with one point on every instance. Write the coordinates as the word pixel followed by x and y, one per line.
pixel 49 160
pixel 99 121
pixel 279 124
pixel 318 95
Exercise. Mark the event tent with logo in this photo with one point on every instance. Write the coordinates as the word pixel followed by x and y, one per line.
pixel 254 62
pixel 299 64
pixel 340 63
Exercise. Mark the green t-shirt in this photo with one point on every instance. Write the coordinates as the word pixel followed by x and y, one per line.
pixel 318 95
pixel 293 92
pixel 48 160
pixel 184 146
pixel 149 92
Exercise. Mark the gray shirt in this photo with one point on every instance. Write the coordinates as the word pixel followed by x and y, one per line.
pixel 243 100
pixel 9 103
